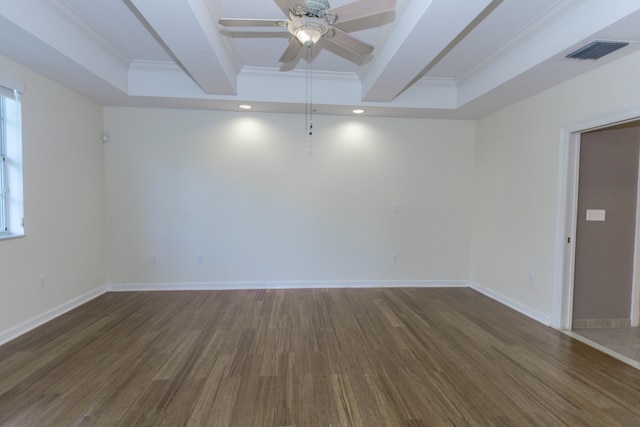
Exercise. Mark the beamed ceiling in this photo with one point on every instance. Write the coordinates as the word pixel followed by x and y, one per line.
pixel 438 58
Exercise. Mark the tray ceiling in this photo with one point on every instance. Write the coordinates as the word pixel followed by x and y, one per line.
pixel 438 58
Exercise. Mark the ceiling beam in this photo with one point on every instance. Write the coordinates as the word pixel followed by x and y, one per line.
pixel 562 29
pixel 188 31
pixel 422 31
pixel 43 35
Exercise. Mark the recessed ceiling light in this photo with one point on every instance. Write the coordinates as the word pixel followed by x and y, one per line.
pixel 358 111
pixel 245 106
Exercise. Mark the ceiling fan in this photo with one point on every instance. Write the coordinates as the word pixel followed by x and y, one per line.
pixel 310 20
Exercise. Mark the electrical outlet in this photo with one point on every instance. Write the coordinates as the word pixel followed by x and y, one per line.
pixel 154 259
pixel 532 278
pixel 394 258
pixel 42 281
pixel 200 259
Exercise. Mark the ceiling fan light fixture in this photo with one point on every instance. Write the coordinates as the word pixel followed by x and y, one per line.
pixel 308 30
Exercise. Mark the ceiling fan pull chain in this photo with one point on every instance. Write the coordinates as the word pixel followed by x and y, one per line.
pixel 306 92
pixel 309 84
pixel 309 98
pixel 310 91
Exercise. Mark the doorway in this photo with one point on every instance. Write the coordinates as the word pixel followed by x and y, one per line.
pixel 606 227
pixel 598 248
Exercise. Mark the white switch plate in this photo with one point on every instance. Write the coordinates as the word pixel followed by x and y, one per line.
pixel 595 214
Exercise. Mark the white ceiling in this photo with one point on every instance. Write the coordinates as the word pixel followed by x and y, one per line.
pixel 432 58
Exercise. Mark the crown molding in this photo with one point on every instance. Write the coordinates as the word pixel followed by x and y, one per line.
pixel 78 24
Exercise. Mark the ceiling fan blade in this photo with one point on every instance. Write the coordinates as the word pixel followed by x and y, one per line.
pixel 287 5
pixel 362 9
pixel 291 52
pixel 350 43
pixel 239 22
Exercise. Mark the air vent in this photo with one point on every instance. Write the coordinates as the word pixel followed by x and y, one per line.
pixel 596 50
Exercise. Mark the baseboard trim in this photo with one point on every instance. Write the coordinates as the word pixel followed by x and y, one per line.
pixel 215 286
pixel 521 308
pixel 23 328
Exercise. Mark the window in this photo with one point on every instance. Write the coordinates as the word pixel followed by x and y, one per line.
pixel 3 159
pixel 11 202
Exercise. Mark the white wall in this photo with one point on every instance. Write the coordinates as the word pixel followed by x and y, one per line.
pixel 64 202
pixel 516 164
pixel 242 190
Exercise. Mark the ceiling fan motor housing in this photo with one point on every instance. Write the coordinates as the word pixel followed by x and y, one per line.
pixel 316 7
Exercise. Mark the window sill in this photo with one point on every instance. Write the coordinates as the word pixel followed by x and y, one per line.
pixel 9 236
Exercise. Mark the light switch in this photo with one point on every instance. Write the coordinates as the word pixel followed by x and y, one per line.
pixel 595 214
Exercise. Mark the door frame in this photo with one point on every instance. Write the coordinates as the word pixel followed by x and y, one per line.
pixel 567 214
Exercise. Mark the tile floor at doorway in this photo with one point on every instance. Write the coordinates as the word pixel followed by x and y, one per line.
pixel 622 343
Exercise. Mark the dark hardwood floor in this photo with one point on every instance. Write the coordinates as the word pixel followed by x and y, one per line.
pixel 341 357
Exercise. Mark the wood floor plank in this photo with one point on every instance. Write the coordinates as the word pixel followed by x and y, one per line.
pixel 316 357
pixel 345 398
pixel 246 398
pixel 303 408
pixel 215 406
